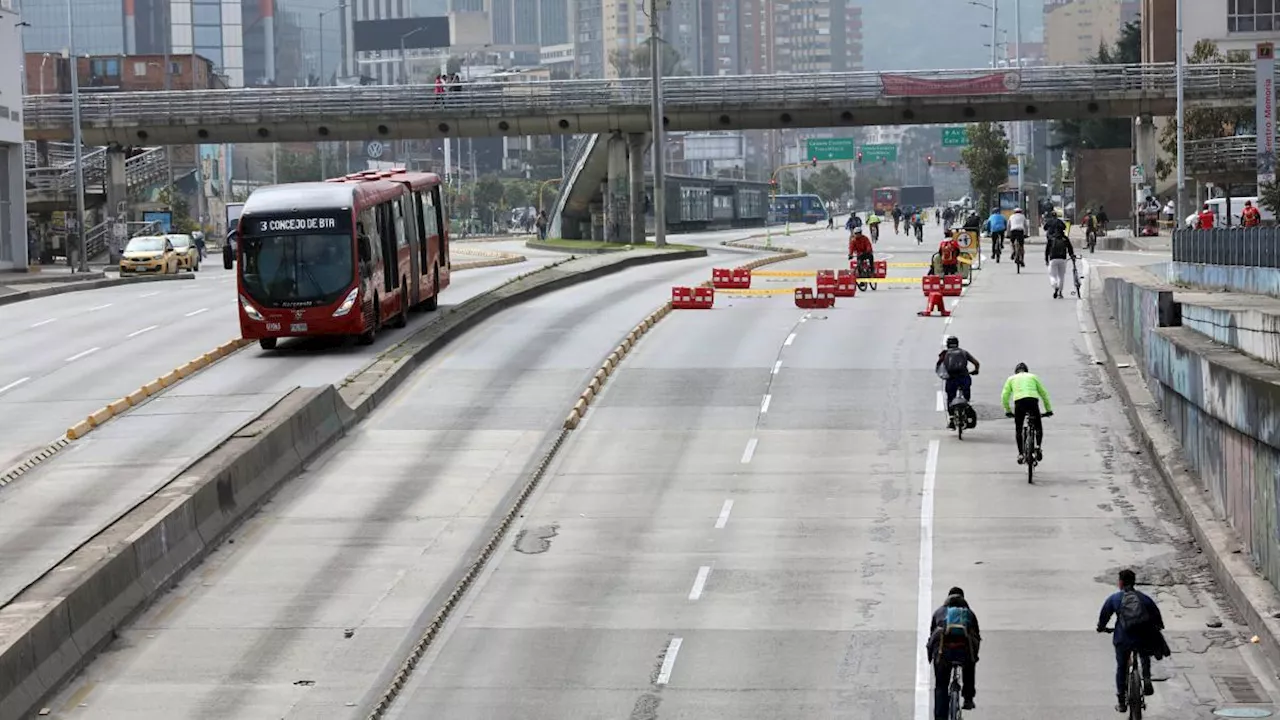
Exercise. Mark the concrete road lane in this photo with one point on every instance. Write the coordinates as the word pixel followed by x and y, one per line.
pixel 364 539
pixel 67 499
pixel 765 502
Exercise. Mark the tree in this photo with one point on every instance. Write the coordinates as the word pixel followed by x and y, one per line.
pixel 453 65
pixel 830 183
pixel 178 205
pixel 299 167
pixel 1204 123
pixel 1104 133
pixel 519 193
pixel 489 195
pixel 1269 196
pixel 870 176
pixel 987 157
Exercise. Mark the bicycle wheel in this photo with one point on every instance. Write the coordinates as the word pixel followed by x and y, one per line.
pixel 1029 451
pixel 954 701
pixel 1136 700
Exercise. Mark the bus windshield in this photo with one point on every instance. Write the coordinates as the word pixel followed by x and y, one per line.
pixel 297 270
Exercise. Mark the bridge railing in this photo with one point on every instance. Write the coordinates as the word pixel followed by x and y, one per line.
pixel 1239 152
pixel 250 105
pixel 1251 247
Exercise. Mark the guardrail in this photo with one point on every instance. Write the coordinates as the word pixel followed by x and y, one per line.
pixel 1213 83
pixel 1248 247
pixel 139 169
pixel 1232 155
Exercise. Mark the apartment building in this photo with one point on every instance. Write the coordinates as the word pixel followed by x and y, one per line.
pixel 1074 29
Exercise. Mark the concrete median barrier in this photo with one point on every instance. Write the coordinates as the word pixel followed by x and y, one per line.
pixel 70 287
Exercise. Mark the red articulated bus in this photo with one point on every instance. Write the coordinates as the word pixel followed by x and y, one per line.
pixel 344 257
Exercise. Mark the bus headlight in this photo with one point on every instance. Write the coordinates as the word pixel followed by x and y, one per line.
pixel 250 310
pixel 348 303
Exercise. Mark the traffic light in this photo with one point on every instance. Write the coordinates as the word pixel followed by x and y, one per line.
pixel 929 159
pixel 815 162
pixel 953 167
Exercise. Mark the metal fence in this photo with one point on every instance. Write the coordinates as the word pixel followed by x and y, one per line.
pixel 1251 247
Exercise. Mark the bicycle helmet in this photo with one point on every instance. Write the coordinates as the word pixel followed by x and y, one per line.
pixel 1021 368
pixel 953 341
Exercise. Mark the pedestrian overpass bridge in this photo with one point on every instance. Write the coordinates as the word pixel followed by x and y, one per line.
pixel 820 100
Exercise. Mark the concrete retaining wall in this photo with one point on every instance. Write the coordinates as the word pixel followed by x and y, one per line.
pixel 1250 331
pixel 1232 278
pixel 1223 407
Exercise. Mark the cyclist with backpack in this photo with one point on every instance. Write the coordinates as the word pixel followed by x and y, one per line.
pixel 954 639
pixel 953 365
pixel 1139 629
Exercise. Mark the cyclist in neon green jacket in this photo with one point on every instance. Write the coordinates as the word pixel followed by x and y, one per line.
pixel 1026 392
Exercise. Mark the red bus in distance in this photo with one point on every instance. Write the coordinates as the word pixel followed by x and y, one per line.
pixel 338 258
pixel 884 199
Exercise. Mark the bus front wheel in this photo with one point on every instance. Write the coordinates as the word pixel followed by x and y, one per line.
pixel 267 343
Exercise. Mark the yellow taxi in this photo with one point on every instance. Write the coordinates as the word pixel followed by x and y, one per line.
pixel 151 254
pixel 188 253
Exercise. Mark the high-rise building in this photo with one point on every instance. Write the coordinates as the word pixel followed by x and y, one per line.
pixel 1075 29
pixel 13 209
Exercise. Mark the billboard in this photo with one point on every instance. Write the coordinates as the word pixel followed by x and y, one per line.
pixel 414 33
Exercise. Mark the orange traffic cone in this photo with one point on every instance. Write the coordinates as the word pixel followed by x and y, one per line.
pixel 934 302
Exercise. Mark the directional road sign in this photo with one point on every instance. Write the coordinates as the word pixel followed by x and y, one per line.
pixel 955 136
pixel 885 152
pixel 829 149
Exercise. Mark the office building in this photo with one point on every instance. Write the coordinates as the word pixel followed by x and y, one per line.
pixel 1074 29
pixel 13 198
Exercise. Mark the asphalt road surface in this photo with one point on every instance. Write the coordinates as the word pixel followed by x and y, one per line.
pixel 750 523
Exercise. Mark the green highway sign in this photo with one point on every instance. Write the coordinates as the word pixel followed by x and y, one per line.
pixel 829 149
pixel 877 153
pixel 955 136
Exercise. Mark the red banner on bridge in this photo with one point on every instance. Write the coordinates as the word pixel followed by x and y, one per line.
pixel 910 85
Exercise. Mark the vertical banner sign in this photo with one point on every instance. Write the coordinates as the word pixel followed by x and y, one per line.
pixel 1266 113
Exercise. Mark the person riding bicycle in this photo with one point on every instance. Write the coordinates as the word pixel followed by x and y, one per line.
pixel 954 639
pixel 897 218
pixel 996 225
pixel 853 223
pixel 1021 398
pixel 953 363
pixel 1018 231
pixel 973 222
pixel 873 225
pixel 860 247
pixel 917 221
pixel 1057 248
pixel 1100 220
pixel 949 254
pixel 1139 627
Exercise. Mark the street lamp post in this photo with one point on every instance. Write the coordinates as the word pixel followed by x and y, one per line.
pixel 1020 127
pixel 404 60
pixel 659 184
pixel 77 139
pixel 1182 127
pixel 995 23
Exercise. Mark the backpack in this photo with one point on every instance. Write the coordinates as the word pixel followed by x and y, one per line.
pixel 956 363
pixel 953 641
pixel 1058 250
pixel 1133 612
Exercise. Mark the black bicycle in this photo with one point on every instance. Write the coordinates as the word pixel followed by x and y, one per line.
pixel 1030 446
pixel 1075 275
pixel 866 274
pixel 955 702
pixel 1019 254
pixel 961 412
pixel 1134 697
pixel 997 246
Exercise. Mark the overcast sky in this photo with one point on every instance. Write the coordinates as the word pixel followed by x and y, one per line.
pixel 923 34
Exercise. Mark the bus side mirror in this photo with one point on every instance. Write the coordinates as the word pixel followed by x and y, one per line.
pixel 365 249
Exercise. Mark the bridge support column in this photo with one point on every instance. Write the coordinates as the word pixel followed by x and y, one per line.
pixel 617 194
pixel 636 143
pixel 1146 149
pixel 117 207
